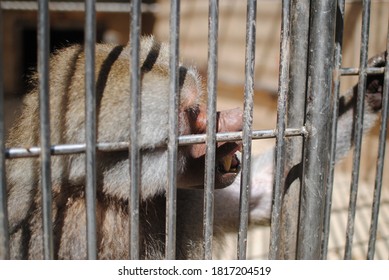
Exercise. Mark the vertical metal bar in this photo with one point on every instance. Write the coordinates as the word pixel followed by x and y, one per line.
pixel 4 236
pixel 358 128
pixel 134 148
pixel 247 128
pixel 90 129
pixel 299 33
pixel 380 159
pixel 210 158
pixel 334 125
pixel 279 180
pixel 43 74
pixel 316 149
pixel 174 101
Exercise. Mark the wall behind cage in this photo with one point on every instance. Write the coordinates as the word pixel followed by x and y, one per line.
pixel 194 36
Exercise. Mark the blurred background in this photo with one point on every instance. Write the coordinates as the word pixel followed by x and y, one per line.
pixel 67 27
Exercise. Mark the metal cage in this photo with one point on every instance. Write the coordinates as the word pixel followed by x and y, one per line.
pixel 309 77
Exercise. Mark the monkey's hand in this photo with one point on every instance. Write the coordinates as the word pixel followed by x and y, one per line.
pixel 375 83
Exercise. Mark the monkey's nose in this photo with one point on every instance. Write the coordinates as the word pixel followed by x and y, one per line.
pixel 230 120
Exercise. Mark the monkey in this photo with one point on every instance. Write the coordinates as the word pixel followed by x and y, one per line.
pixel 67 123
pixel 68 172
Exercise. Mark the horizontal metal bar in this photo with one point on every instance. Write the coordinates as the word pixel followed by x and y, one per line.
pixel 237 136
pixel 66 149
pixel 351 71
pixel 77 6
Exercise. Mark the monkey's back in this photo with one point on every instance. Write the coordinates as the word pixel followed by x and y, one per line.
pixel 67 125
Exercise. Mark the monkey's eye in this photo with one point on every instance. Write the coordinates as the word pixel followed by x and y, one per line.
pixel 197 119
pixel 193 113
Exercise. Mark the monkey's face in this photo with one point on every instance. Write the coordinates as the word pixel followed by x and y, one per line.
pixel 227 164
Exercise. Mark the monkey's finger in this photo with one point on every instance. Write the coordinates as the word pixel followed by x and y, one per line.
pixel 377 60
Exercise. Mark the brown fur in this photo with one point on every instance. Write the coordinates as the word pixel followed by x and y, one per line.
pixel 67 111
pixel 68 172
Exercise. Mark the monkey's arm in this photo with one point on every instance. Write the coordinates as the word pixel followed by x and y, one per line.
pixel 347 108
pixel 227 200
